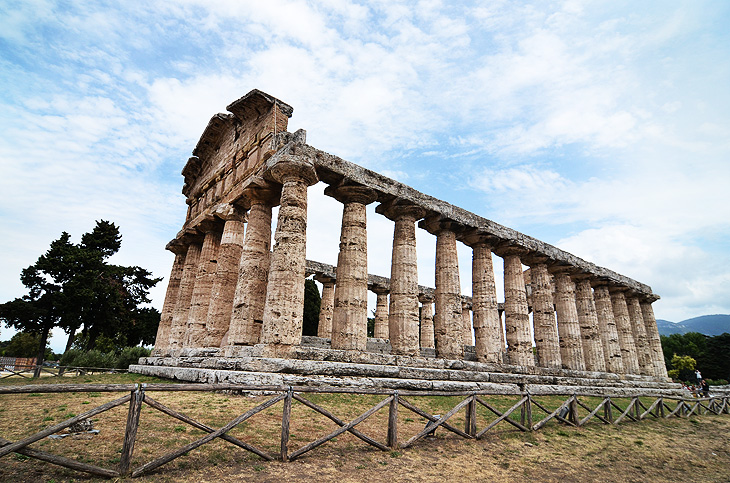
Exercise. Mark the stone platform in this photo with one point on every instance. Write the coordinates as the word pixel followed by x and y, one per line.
pixel 315 364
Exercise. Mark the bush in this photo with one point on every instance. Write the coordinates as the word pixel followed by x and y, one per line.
pixel 130 355
pixel 717 382
pixel 96 358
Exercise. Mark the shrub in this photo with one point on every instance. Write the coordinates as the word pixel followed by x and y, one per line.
pixel 717 382
pixel 130 355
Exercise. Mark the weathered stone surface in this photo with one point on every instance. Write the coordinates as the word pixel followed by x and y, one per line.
pixel 162 340
pixel 427 332
pixel 224 281
pixel 517 319
pixel 571 347
pixel 543 316
pixel 326 307
pixel 466 317
pixel 487 326
pixel 247 313
pixel 638 329
pixel 655 344
pixel 380 328
pixel 588 319
pixel 448 320
pixel 184 296
pixel 282 324
pixel 403 312
pixel 607 330
pixel 200 301
pixel 625 335
pixel 350 314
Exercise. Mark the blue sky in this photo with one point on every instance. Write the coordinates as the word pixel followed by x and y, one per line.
pixel 601 127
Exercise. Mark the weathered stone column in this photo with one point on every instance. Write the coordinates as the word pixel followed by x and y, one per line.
pixel 646 366
pixel 226 276
pixel 448 320
pixel 655 343
pixel 284 308
pixel 380 329
pixel 516 312
pixel 547 342
pixel 403 310
pixel 427 334
pixel 326 307
pixel 571 347
pixel 200 302
pixel 162 340
pixel 487 325
pixel 253 270
pixel 350 315
pixel 588 319
pixel 466 316
pixel 625 335
pixel 184 295
pixel 607 329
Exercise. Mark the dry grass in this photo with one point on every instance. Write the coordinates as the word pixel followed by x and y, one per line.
pixel 694 449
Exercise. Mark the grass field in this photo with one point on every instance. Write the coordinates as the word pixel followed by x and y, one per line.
pixel 694 449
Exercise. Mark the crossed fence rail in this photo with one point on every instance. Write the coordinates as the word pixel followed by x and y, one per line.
pixel 29 371
pixel 608 411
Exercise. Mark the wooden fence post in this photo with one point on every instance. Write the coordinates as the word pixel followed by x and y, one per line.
pixel 607 411
pixel 573 411
pixel 130 432
pixel 393 422
pixel 528 411
pixel 285 418
pixel 470 421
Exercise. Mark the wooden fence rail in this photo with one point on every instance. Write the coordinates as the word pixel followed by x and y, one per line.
pixel 567 412
pixel 29 371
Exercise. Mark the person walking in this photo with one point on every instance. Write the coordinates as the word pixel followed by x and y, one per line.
pixel 698 375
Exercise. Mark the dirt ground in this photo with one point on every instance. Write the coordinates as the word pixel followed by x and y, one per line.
pixel 672 450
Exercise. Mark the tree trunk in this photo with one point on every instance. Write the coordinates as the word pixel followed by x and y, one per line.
pixel 71 337
pixel 41 351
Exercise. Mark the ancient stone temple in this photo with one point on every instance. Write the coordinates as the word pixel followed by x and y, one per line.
pixel 234 304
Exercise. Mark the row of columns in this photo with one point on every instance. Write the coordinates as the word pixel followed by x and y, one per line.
pixel 227 289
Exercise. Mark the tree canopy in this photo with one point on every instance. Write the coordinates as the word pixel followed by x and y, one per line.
pixel 710 354
pixel 72 286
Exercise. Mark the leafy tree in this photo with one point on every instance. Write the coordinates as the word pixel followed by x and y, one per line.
pixel 72 286
pixel 715 363
pixel 23 344
pixel 312 303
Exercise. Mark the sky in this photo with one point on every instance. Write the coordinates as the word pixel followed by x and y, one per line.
pixel 600 127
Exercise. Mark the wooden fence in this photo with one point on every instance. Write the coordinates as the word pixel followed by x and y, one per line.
pixel 532 416
pixel 28 370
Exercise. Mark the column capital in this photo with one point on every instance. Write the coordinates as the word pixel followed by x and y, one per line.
pixel 229 212
pixel 352 193
pixel 508 250
pixel 559 269
pixel 261 192
pixel 397 209
pixel 379 289
pixel 425 298
pixel 292 168
pixel 438 224
pixel 323 279
pixel 177 246
pixel 465 305
pixel 473 238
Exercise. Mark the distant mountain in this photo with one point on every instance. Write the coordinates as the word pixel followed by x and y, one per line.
pixel 704 324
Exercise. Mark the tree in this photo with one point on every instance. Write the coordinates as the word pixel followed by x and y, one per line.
pixel 312 303
pixel 23 344
pixel 72 286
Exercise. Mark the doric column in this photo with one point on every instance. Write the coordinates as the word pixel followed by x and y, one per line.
pixel 253 270
pixel 652 335
pixel 487 326
pixel 646 366
pixel 547 342
pixel 350 315
pixel 380 330
pixel 448 321
pixel 226 276
pixel 162 341
pixel 427 334
pixel 403 310
pixel 623 327
pixel 324 328
pixel 466 317
pixel 516 312
pixel 588 319
pixel 200 302
pixel 184 295
pixel 607 329
pixel 284 308
pixel 571 347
